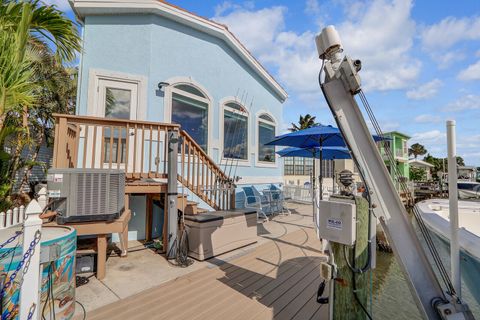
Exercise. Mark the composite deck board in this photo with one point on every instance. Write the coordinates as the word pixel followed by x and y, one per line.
pixel 291 308
pixel 276 280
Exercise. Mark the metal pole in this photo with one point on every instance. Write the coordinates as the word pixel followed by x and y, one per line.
pixel 314 193
pixel 172 193
pixel 320 178
pixel 453 206
pixel 333 176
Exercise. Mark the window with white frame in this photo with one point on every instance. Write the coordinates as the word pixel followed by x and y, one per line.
pixel 235 131
pixel 266 133
pixel 118 101
pixel 190 110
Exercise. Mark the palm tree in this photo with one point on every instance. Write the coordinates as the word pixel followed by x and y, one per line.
pixel 416 150
pixel 31 23
pixel 304 122
pixel 27 30
pixel 16 71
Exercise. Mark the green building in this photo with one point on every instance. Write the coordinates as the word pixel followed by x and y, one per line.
pixel 399 148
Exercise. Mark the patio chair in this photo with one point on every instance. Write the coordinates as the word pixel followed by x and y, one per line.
pixel 254 200
pixel 279 200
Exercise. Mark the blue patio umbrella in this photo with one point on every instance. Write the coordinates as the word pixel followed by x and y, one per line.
pixel 315 137
pixel 328 153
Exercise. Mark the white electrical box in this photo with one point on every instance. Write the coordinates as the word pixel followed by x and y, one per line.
pixel 337 221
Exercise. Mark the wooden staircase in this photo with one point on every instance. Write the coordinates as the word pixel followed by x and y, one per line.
pixel 140 148
pixel 189 207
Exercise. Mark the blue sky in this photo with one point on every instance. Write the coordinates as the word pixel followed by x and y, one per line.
pixel 421 59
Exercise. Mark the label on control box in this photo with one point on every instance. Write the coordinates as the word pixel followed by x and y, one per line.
pixel 56 177
pixel 333 223
pixel 54 193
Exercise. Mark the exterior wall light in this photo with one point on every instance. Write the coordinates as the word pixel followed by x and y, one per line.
pixel 162 84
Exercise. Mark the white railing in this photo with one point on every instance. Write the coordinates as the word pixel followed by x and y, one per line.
pixel 12 217
pixel 16 216
pixel 298 193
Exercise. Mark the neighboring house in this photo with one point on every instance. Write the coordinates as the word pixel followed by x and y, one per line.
pixel 298 171
pixel 38 174
pixel 420 164
pixel 398 144
pixel 152 61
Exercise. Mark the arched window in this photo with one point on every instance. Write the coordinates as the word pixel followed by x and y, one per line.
pixel 235 131
pixel 266 133
pixel 190 110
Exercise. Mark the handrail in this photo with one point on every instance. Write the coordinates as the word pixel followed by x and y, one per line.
pixel 111 121
pixel 184 134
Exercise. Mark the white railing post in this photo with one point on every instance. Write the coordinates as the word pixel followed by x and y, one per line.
pixel 3 219
pixel 42 197
pixel 21 214
pixel 453 207
pixel 15 216
pixel 29 292
pixel 8 223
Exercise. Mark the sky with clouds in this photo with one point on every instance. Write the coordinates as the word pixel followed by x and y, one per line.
pixel 421 59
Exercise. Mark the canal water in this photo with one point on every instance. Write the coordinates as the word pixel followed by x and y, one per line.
pixel 391 296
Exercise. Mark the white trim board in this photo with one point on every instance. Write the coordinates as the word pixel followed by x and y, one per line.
pixel 84 8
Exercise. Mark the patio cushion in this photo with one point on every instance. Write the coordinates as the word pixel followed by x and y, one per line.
pixel 218 215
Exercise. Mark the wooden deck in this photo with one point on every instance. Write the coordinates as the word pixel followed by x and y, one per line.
pixel 276 280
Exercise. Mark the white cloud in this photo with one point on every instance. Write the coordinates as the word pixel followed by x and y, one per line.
pixel 384 51
pixel 383 48
pixel 263 33
pixel 467 102
pixel 427 118
pixel 312 7
pixel 472 72
pixel 256 29
pixel 229 5
pixel 429 137
pixel 425 91
pixel 450 31
pixel 62 5
pixel 386 126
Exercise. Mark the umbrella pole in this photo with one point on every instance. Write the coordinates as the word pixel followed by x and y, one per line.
pixel 313 187
pixel 333 177
pixel 320 178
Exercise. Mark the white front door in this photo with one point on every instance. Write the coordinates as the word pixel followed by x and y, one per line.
pixel 116 100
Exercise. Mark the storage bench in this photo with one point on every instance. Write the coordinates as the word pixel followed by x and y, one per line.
pixel 213 233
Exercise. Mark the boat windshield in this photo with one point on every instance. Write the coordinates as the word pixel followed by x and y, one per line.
pixel 469 186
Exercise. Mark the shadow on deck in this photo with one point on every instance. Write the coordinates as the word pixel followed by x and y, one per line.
pixel 276 280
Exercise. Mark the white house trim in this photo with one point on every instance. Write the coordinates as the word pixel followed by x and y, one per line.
pixel 170 89
pixel 94 77
pixel 84 8
pixel 257 142
pixel 222 106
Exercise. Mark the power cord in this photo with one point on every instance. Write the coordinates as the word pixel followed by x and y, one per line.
pixel 83 308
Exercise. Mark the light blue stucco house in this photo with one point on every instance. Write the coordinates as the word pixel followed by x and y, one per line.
pixel 150 60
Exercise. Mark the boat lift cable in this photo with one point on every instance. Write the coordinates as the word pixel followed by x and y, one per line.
pixel 418 217
pixel 423 229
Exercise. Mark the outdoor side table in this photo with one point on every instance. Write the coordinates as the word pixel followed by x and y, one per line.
pixel 101 229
